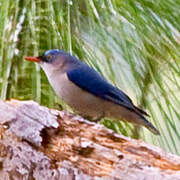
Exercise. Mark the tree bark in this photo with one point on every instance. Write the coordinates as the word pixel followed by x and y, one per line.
pixel 41 143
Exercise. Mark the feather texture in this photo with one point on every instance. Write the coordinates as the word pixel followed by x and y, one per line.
pixel 89 80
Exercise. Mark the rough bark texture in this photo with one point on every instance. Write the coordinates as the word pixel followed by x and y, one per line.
pixel 39 143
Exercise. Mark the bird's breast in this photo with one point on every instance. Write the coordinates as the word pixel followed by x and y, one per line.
pixel 82 101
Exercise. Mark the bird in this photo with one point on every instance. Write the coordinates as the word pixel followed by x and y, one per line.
pixel 87 91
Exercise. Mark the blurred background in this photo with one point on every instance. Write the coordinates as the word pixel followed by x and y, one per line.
pixel 135 44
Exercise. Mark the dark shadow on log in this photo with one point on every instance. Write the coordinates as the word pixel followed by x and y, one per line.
pixel 41 143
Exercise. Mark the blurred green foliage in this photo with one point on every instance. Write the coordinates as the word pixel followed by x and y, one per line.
pixel 132 43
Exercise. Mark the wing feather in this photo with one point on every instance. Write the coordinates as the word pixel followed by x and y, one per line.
pixel 89 80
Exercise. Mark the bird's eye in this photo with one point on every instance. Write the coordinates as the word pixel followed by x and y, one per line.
pixel 49 57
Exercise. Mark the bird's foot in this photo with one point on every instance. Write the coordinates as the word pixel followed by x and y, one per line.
pixel 94 119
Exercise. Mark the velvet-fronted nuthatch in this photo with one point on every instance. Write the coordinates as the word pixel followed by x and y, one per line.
pixel 86 91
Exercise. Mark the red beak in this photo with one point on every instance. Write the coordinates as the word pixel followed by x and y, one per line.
pixel 32 58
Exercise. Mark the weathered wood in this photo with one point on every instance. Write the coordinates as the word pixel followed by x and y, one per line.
pixel 41 143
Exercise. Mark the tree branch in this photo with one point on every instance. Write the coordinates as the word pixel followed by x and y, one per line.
pixel 41 143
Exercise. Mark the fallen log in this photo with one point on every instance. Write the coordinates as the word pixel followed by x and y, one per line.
pixel 40 143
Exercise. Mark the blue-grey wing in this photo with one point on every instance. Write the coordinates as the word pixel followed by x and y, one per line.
pixel 89 80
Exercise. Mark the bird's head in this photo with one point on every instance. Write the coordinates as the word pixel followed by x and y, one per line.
pixel 47 57
pixel 52 60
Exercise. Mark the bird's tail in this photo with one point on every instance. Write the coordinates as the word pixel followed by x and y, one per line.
pixel 144 121
pixel 149 126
